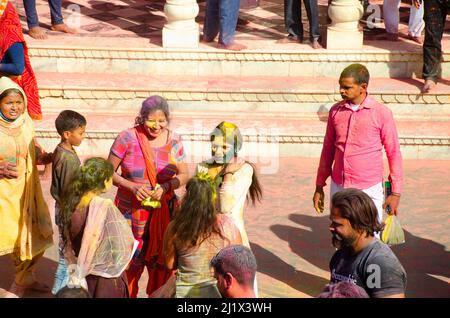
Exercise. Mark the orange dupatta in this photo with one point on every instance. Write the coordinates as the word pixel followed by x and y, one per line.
pixel 159 220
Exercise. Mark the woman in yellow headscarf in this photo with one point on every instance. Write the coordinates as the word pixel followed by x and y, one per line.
pixel 25 223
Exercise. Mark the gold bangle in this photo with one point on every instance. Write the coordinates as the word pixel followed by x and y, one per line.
pixel 395 194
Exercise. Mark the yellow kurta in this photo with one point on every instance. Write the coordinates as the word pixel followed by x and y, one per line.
pixel 25 223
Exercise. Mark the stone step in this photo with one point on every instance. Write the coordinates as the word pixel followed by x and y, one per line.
pixel 133 56
pixel 279 116
pixel 289 96
pixel 265 137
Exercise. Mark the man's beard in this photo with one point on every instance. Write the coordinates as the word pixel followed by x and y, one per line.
pixel 341 242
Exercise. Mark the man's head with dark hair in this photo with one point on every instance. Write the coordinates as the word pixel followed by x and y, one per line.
pixel 358 72
pixel 353 83
pixel 71 126
pixel 343 290
pixel 235 270
pixel 353 214
pixel 75 292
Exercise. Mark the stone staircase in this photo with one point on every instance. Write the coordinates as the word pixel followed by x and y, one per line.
pixel 280 98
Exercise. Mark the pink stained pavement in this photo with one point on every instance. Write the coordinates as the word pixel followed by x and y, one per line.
pixel 225 83
pixel 292 243
pixel 138 24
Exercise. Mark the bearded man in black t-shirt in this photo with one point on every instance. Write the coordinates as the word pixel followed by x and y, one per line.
pixel 362 259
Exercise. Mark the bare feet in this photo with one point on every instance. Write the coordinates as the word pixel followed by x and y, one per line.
pixel 392 36
pixel 203 40
pixel 417 39
pixel 63 28
pixel 428 86
pixel 289 39
pixel 316 44
pixel 241 21
pixel 232 47
pixel 38 33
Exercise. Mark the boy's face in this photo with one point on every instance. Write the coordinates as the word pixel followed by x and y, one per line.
pixel 12 106
pixel 76 136
pixel 350 90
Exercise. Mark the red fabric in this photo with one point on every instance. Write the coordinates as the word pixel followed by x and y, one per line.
pixel 160 218
pixel 10 33
pixel 134 273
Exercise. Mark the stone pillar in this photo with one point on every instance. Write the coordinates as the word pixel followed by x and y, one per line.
pixel 181 30
pixel 344 32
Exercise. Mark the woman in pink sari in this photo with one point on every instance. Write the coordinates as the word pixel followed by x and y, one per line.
pixel 151 158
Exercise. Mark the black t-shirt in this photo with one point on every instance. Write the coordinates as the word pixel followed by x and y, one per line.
pixel 375 268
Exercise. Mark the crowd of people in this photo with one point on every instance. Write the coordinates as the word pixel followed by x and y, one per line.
pixel 104 246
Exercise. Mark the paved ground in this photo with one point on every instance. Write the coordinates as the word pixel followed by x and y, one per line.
pixel 290 240
pixel 292 243
pixel 139 23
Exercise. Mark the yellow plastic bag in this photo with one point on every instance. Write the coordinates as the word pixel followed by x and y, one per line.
pixel 393 233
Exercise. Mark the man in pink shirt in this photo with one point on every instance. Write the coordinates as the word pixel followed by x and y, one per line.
pixel 357 130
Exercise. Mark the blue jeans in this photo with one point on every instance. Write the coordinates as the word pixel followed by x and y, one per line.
pixel 221 17
pixel 62 273
pixel 32 16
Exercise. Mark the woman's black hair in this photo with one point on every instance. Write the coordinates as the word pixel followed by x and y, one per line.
pixel 196 218
pixel 149 106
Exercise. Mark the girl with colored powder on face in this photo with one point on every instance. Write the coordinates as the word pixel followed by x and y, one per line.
pixel 151 158
pixel 235 178
pixel 25 223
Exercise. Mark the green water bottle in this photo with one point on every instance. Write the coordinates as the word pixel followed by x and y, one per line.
pixel 387 192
